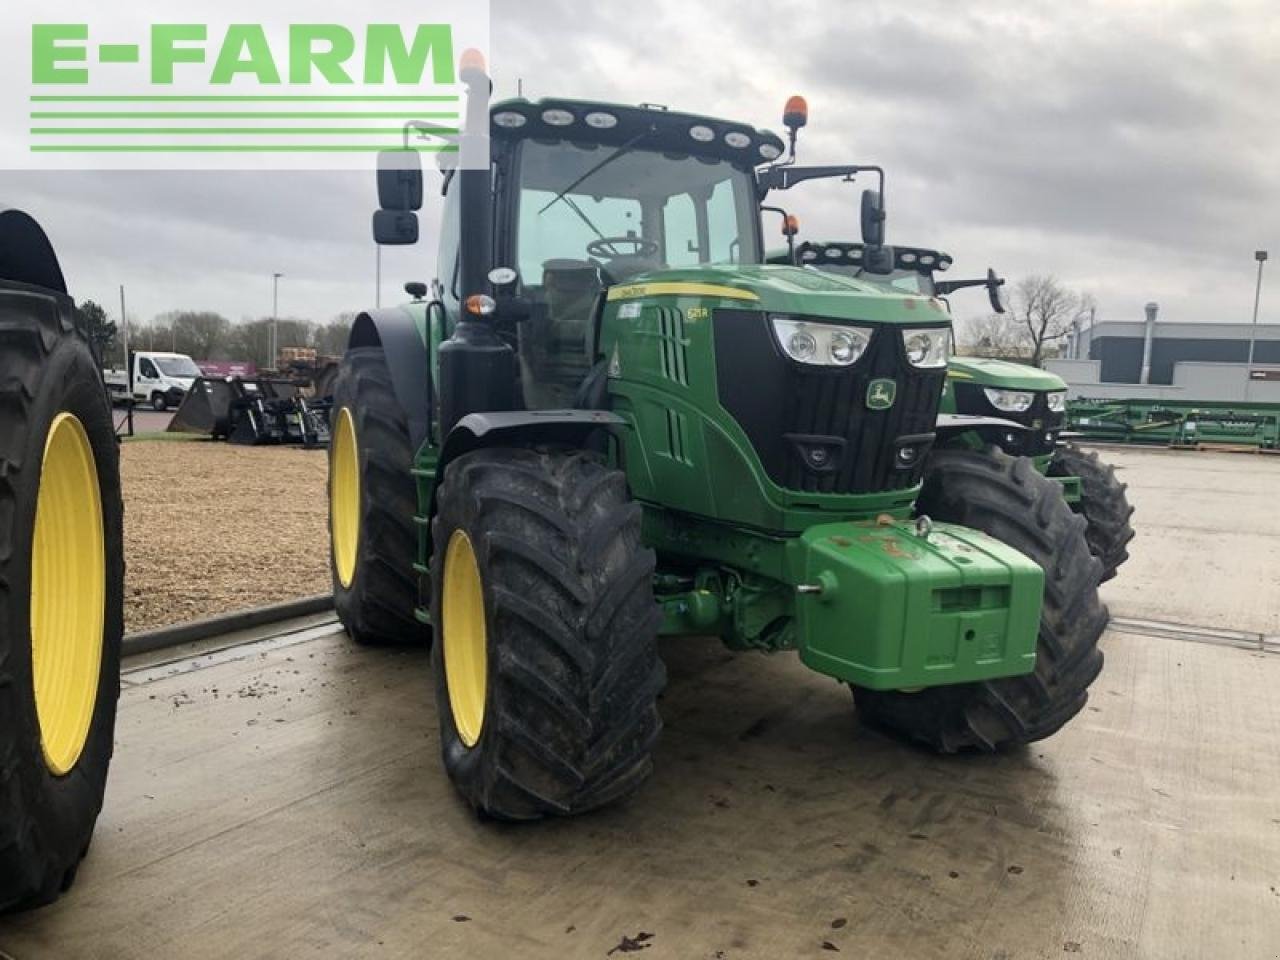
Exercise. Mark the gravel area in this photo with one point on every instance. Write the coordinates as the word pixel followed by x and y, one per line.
pixel 211 528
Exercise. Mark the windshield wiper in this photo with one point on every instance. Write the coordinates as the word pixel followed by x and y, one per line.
pixel 619 152
pixel 585 219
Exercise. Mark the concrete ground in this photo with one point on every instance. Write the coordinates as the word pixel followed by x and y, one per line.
pixel 286 799
pixel 1208 547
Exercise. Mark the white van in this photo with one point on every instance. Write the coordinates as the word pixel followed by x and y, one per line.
pixel 159 379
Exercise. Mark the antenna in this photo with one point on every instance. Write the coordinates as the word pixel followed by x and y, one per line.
pixel 519 86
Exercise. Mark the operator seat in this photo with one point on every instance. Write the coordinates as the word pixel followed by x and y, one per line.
pixel 555 342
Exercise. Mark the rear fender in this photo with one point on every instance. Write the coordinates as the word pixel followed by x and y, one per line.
pixel 408 361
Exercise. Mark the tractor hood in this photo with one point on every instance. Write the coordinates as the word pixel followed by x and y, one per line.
pixel 1004 374
pixel 788 290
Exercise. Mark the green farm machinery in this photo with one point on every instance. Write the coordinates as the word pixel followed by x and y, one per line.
pixel 611 420
pixel 1178 423
pixel 993 395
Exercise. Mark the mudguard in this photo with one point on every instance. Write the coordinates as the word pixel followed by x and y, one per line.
pixel 523 427
pixel 397 331
pixel 26 255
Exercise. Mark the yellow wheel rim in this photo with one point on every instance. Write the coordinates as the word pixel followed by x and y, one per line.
pixel 465 638
pixel 68 592
pixel 344 496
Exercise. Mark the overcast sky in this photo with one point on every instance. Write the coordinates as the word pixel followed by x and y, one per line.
pixel 1130 148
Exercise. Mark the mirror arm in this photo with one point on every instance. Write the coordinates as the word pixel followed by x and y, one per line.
pixel 791 237
pixel 945 287
pixel 430 130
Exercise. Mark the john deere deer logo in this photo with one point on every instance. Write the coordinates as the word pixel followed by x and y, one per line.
pixel 881 394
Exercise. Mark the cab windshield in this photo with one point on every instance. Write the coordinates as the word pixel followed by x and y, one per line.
pixel 899 281
pixel 587 217
pixel 660 209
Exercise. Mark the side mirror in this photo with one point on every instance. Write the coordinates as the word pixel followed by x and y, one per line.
pixel 395 228
pixel 872 219
pixel 995 292
pixel 400 180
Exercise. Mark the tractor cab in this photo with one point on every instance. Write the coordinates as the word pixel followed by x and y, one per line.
pixel 590 196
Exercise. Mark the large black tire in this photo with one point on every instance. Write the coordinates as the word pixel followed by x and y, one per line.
pixel 377 605
pixel 46 820
pixel 573 677
pixel 1006 498
pixel 1102 503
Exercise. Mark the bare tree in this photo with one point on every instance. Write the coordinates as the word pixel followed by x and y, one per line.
pixel 992 335
pixel 1047 311
pixel 200 333
pixel 1042 313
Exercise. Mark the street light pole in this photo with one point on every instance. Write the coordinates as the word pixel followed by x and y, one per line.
pixel 275 318
pixel 1261 257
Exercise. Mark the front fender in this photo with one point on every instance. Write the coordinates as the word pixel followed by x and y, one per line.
pixel 522 428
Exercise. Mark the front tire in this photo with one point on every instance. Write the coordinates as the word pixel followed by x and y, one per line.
pixel 545 658
pixel 1103 504
pixel 159 403
pixel 1007 499
pixel 372 501
pixel 61 612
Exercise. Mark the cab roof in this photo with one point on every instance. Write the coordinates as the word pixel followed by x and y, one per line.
pixel 646 127
pixel 849 253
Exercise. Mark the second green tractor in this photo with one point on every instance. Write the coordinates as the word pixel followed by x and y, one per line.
pixel 610 420
pixel 996 394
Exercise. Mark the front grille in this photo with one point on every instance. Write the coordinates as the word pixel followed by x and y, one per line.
pixel 790 410
pixel 1043 425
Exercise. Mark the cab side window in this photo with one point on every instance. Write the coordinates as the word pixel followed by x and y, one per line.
pixel 148 369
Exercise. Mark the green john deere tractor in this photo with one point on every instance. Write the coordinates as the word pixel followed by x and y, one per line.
pixel 610 420
pixel 997 391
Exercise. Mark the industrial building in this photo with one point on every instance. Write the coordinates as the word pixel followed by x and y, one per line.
pixel 1173 361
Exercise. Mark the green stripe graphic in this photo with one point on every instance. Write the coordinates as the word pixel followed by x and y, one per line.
pixel 244 99
pixel 229 148
pixel 415 115
pixel 223 131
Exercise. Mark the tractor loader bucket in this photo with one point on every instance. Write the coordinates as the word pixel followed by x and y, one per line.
pixel 206 409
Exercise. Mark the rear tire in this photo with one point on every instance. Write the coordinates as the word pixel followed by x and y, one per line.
pixel 47 369
pixel 568 713
pixel 1007 499
pixel 376 603
pixel 1103 504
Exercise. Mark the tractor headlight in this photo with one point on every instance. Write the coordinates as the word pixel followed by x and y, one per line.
pixel 821 344
pixel 928 347
pixel 1010 401
pixel 1057 401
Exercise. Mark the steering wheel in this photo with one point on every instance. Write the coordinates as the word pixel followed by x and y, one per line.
pixel 606 248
